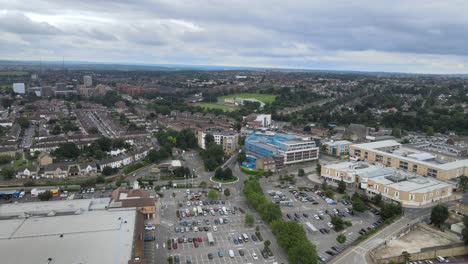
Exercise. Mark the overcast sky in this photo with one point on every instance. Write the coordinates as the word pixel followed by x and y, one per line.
pixel 422 36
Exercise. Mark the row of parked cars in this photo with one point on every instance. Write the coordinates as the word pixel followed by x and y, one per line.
pixel 375 224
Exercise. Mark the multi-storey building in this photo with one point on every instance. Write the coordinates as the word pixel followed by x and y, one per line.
pixel 337 148
pixel 287 148
pixel 228 139
pixel 392 154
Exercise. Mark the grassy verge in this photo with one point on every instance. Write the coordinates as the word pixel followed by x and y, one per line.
pixel 250 171
pixel 224 181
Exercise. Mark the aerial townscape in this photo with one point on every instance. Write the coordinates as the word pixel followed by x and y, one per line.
pixel 233 132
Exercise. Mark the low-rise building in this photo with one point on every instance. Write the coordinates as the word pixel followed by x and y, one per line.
pixel 44 159
pixel 461 206
pixel 266 164
pixel 409 189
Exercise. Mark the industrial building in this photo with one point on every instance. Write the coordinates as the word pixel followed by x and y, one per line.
pixel 337 148
pixel 393 154
pixel 284 148
pixel 72 231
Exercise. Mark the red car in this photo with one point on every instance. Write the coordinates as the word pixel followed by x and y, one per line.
pixel 174 245
pixel 195 244
pixel 180 240
pixel 200 239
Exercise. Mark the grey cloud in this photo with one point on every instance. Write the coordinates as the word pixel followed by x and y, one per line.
pixel 20 24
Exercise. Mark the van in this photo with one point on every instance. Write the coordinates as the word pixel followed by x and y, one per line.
pixel 221 221
pixel 231 253
pixel 245 237
pixel 441 259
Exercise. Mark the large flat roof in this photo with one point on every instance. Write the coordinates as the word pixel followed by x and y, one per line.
pixel 414 184
pixel 96 236
pixel 376 146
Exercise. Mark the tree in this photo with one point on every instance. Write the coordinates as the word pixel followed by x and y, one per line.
pixel 439 214
pixel 8 172
pixel 358 203
pixel 396 132
pixel 406 256
pixel 390 210
pixel 267 243
pixel 4 159
pixel 107 171
pixel 249 219
pixel 377 199
pixel 241 157
pixel 341 238
pixel 329 193
pixel 341 186
pixel 203 185
pixel 463 183
pixel 318 168
pixel 208 139
pixel 227 192
pixel 45 196
pixel 300 173
pixel 338 223
pixel 67 150
pixel 465 230
pixel 213 194
pixel 23 122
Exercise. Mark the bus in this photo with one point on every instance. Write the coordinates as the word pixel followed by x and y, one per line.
pixel 210 238
pixel 311 227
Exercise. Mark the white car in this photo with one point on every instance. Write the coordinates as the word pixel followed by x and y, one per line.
pixel 317 217
pixel 188 203
pixel 254 256
pixel 330 225
pixel 150 228
pixel 215 228
pixel 231 253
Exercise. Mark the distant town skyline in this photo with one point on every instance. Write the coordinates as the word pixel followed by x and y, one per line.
pixel 385 36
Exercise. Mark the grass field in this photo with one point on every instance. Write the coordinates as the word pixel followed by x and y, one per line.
pixel 217 106
pixel 17 73
pixel 266 98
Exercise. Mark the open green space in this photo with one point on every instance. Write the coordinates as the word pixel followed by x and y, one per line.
pixel 266 98
pixel 217 106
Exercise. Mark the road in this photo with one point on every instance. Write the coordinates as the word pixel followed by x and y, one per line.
pixel 358 254
pixel 28 136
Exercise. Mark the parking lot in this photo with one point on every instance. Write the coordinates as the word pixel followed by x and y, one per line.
pixel 193 246
pixel 318 212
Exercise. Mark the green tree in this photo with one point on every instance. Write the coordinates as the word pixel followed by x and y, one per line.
pixel 208 139
pixel 329 193
pixel 390 210
pixel 429 130
pixel 463 183
pixel 107 171
pixel 439 215
pixel 338 223
pixel 67 150
pixel 465 230
pixel 8 172
pixel 300 173
pixel 4 159
pixel 267 243
pixel 341 186
pixel 241 157
pixel 45 196
pixel 396 132
pixel 203 185
pixel 227 192
pixel 377 199
pixel 341 238
pixel 213 194
pixel 249 219
pixel 358 203
pixel 318 169
pixel 23 122
pixel 406 256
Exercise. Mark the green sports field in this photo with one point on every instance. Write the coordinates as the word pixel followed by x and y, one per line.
pixel 217 106
pixel 266 98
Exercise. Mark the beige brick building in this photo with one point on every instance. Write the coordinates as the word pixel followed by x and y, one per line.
pixel 392 154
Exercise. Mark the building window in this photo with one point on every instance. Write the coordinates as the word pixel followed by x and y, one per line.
pixel 386 190
pixel 366 155
pixel 432 173
pixel 397 194
pixel 415 168
pixel 379 158
pixel 411 197
pixel 389 162
pixel 403 165
pixel 357 152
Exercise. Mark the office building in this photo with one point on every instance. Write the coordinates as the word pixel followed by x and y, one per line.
pixel 393 154
pixel 287 148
